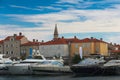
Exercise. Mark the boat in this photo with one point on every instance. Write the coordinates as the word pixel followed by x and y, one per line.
pixel 4 62
pixel 50 67
pixel 112 67
pixel 88 67
pixel 24 66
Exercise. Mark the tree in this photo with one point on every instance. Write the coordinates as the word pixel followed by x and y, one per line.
pixel 76 59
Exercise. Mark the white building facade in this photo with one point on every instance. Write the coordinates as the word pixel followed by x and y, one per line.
pixel 55 50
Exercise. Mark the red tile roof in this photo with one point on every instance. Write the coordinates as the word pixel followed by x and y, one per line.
pixel 1 42
pixel 60 41
pixel 115 51
pixel 92 40
pixel 31 44
pixel 117 46
pixel 17 37
pixel 72 40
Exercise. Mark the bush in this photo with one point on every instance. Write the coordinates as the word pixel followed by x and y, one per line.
pixel 76 59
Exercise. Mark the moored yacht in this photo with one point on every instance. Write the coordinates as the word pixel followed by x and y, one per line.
pixel 88 66
pixel 4 62
pixel 112 67
pixel 24 66
pixel 50 67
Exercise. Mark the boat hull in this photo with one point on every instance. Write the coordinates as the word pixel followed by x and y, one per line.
pixel 20 69
pixel 50 70
pixel 86 70
pixel 111 70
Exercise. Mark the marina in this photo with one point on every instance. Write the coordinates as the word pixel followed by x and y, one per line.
pixel 91 66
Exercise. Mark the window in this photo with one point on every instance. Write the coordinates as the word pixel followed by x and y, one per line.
pixel 7 45
pixel 76 46
pixel 12 45
pixel 11 52
pixel 12 39
pixel 24 51
pixel 7 52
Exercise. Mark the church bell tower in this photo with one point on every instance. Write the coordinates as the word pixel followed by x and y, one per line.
pixel 55 32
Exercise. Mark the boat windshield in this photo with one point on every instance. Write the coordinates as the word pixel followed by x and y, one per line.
pixel 90 61
pixel 52 63
pixel 57 63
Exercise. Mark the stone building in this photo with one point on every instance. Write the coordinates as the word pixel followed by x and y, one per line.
pixel 1 47
pixel 90 46
pixel 68 47
pixel 11 45
pixel 27 47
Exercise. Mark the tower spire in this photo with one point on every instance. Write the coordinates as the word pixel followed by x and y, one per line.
pixel 55 32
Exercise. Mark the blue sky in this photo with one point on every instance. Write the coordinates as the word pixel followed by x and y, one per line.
pixel 83 18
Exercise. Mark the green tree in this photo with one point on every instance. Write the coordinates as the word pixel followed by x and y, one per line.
pixel 76 59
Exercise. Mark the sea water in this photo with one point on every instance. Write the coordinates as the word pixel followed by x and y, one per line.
pixel 68 77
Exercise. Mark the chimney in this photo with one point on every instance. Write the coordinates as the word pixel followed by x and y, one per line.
pixel 75 37
pixel 42 41
pixel 101 39
pixel 114 44
pixel 20 34
pixel 110 43
pixel 62 37
pixel 36 40
pixel 33 40
pixel 15 35
pixel 91 37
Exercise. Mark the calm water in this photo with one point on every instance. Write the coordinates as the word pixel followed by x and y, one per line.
pixel 58 78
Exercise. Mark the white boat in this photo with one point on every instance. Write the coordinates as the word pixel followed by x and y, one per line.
pixel 112 67
pixel 4 62
pixel 24 67
pixel 50 67
pixel 88 66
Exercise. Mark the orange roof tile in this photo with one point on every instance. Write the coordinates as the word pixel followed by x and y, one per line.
pixel 31 44
pixel 115 51
pixel 17 37
pixel 92 40
pixel 72 40
pixel 60 41
pixel 1 42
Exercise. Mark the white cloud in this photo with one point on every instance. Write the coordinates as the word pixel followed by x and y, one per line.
pixel 70 21
pixel 24 7
pixel 39 8
pixel 114 39
pixel 95 20
pixel 49 7
pixel 70 1
pixel 30 33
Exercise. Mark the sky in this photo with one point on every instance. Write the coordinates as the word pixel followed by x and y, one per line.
pixel 36 19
